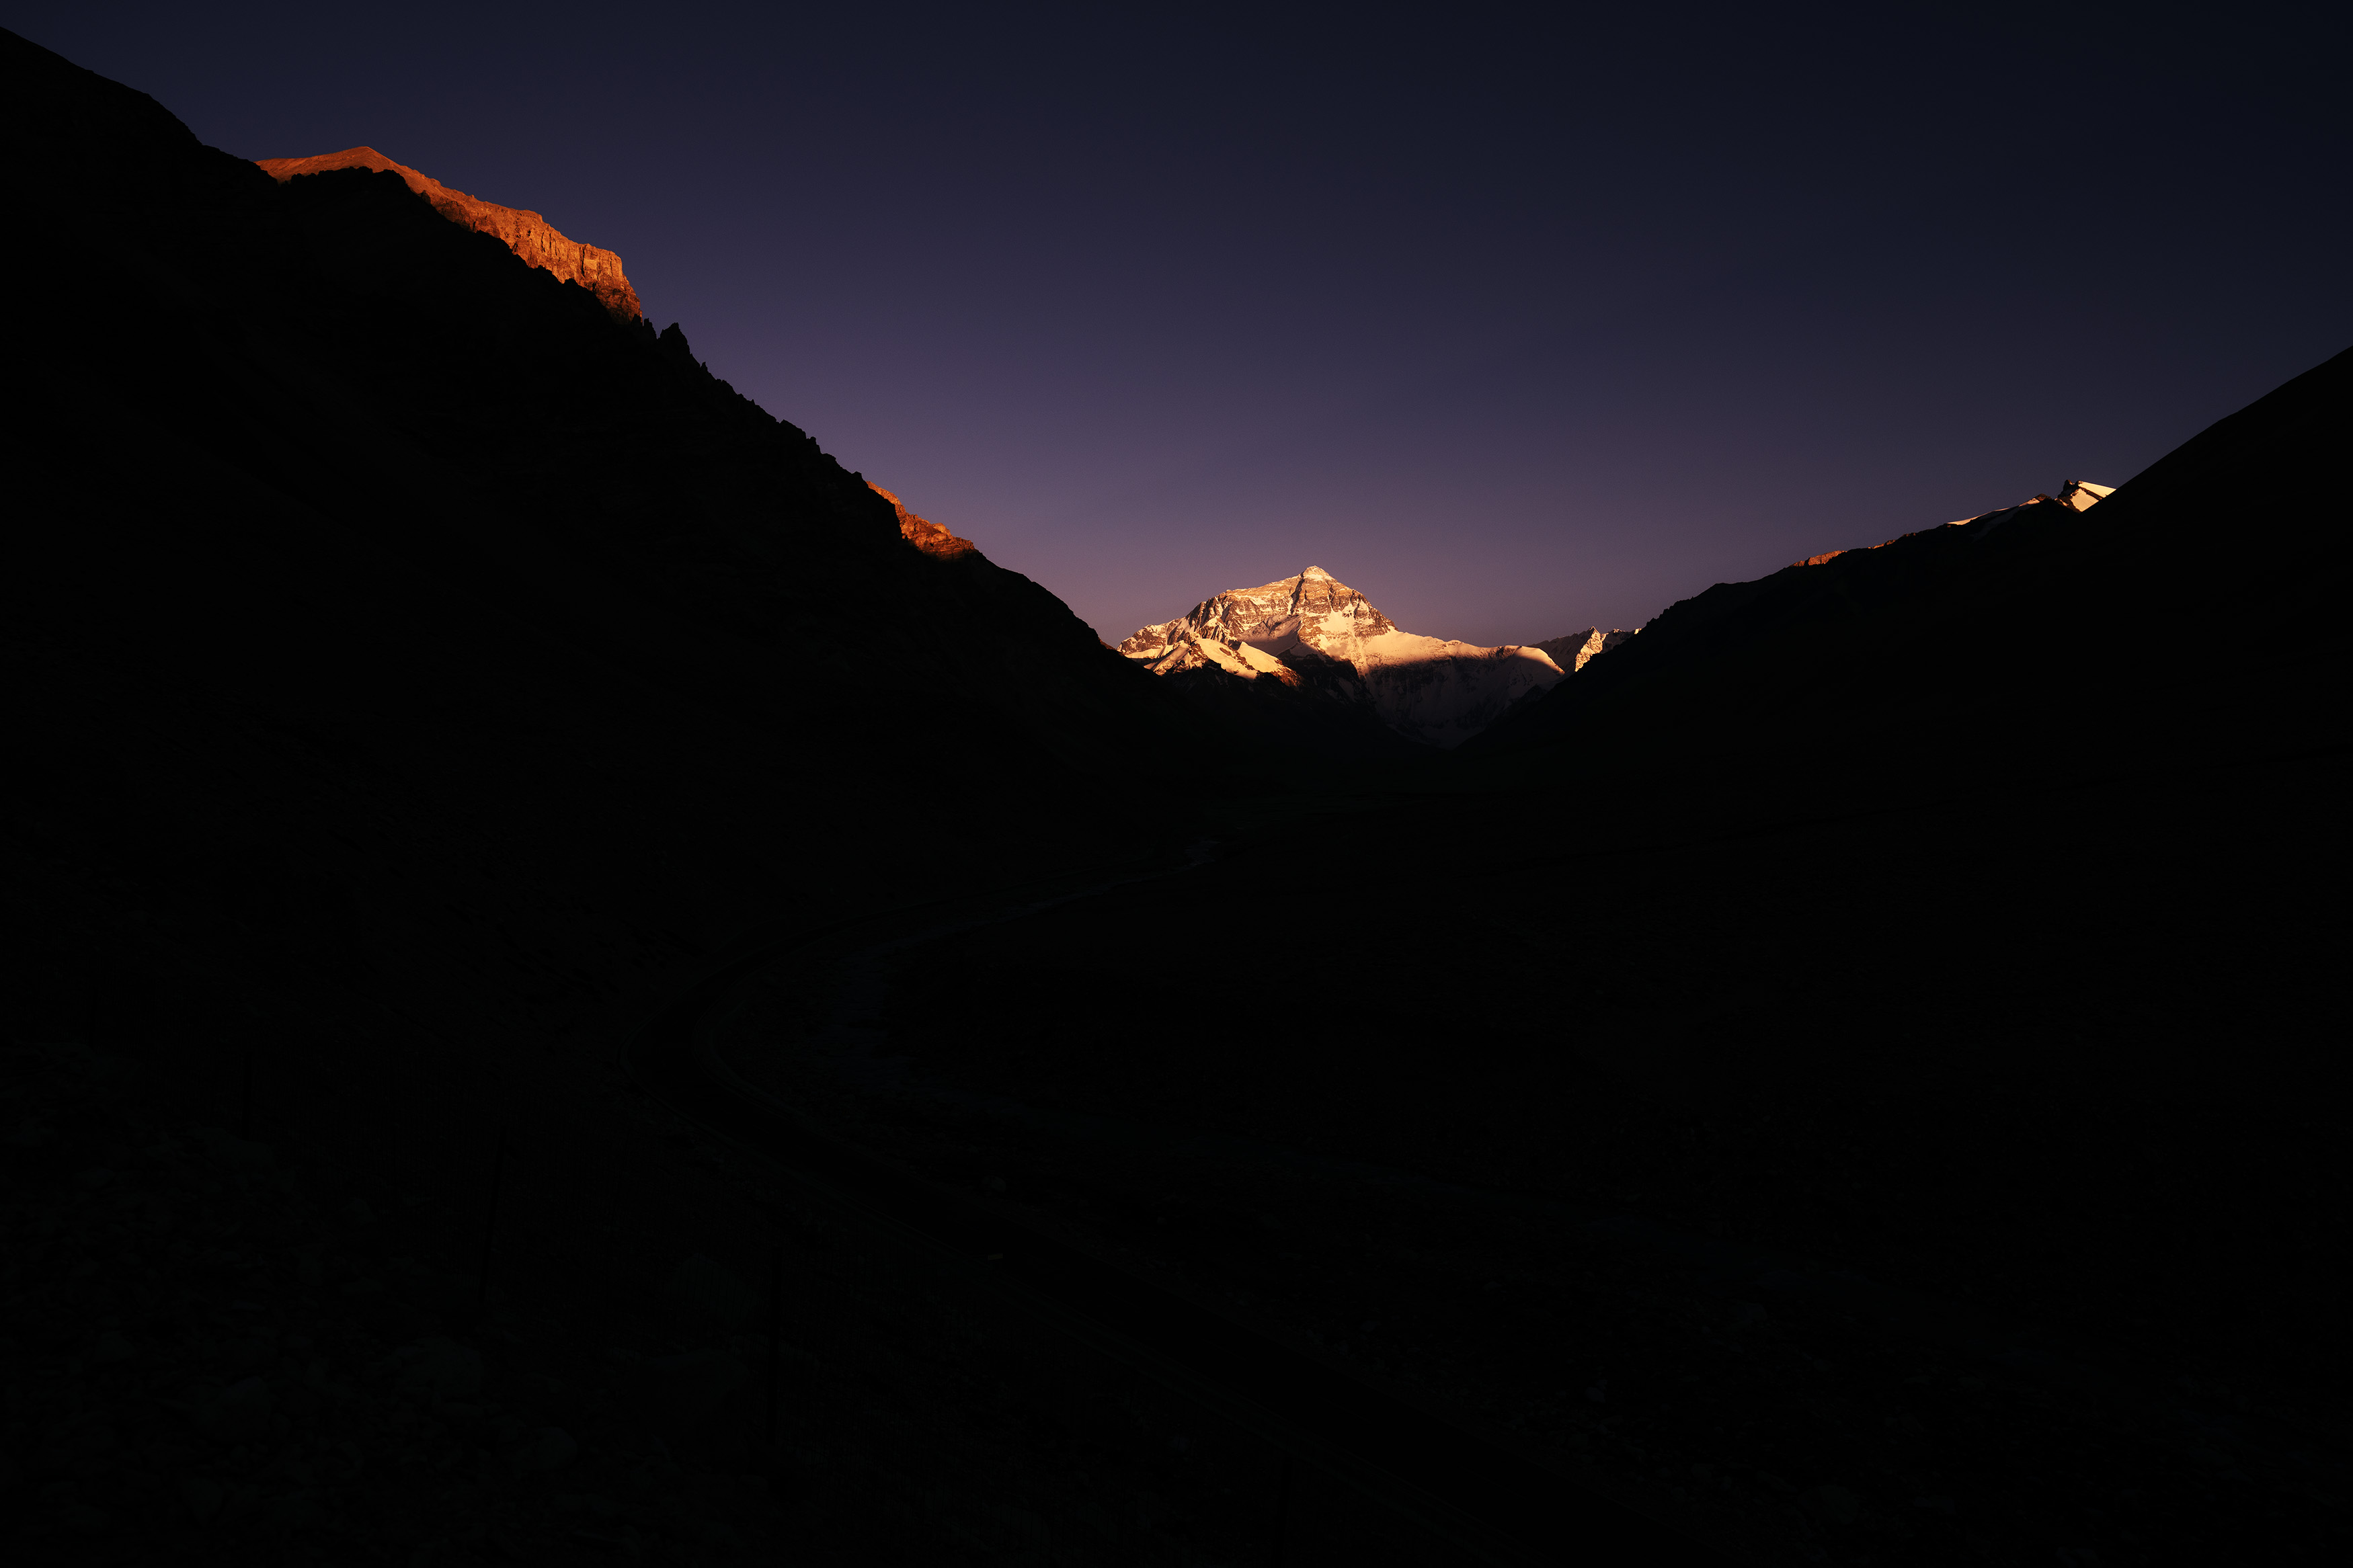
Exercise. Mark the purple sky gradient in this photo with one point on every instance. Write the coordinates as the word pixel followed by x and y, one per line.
pixel 1515 329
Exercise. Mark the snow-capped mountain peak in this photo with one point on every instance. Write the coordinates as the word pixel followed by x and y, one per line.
pixel 1314 629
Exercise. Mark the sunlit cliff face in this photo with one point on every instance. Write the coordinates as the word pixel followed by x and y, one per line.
pixel 525 233
pixel 924 535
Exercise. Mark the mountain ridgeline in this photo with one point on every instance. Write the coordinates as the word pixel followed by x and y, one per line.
pixel 526 234
pixel 1312 662
pixel 335 509
pixel 1314 665
pixel 440 708
pixel 2009 648
pixel 375 462
pixel 366 467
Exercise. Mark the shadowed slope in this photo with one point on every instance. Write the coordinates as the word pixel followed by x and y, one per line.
pixel 348 515
pixel 1960 915
pixel 2035 642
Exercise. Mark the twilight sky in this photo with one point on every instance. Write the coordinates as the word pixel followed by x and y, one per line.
pixel 1516 326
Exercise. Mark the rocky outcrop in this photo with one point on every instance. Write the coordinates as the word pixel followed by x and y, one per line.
pixel 1316 632
pixel 926 536
pixel 524 232
pixel 1572 651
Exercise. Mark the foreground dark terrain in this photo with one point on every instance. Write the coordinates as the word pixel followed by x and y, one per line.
pixel 1853 1075
pixel 2019 1230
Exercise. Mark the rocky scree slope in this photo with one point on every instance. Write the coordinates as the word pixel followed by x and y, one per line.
pixel 1315 634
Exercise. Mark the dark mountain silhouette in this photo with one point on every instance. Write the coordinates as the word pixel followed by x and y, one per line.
pixel 325 485
pixel 1955 923
pixel 2020 645
pixel 1315 712
pixel 1850 1070
pixel 412 669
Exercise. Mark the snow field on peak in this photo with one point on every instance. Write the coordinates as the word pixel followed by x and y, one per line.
pixel 1432 689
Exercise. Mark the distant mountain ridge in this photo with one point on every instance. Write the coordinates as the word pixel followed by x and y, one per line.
pixel 1314 634
pixel 1752 639
pixel 1573 652
pixel 524 232
pixel 2075 495
pixel 1321 665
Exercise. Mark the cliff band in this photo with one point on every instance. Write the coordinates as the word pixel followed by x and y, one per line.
pixel 524 232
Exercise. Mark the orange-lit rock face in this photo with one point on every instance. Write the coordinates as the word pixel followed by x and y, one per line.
pixel 928 537
pixel 526 234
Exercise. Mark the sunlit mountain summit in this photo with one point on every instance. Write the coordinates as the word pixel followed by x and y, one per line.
pixel 1314 633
